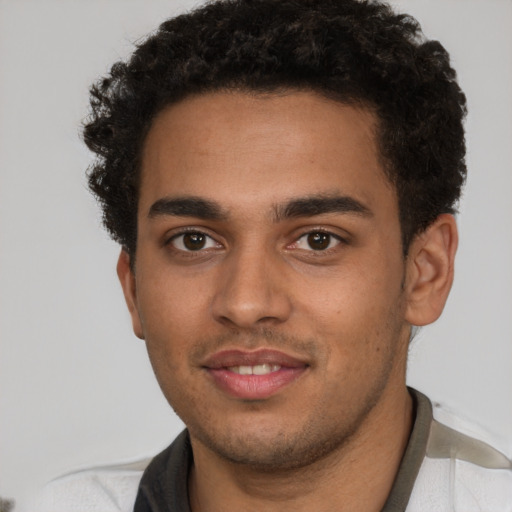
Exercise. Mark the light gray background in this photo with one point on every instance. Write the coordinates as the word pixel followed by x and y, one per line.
pixel 76 386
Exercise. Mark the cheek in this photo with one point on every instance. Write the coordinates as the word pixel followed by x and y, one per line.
pixel 352 296
pixel 358 312
pixel 168 302
pixel 172 314
pixel 171 322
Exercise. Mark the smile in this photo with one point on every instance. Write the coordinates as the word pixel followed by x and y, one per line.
pixel 258 369
pixel 253 375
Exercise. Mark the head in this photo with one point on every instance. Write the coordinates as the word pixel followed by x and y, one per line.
pixel 281 176
pixel 356 53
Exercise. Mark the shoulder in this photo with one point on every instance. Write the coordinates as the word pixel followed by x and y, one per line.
pixel 460 471
pixel 114 488
pixel 102 489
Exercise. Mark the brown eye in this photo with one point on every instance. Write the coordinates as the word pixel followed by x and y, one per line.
pixel 193 241
pixel 319 241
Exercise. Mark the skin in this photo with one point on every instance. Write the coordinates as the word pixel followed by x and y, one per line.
pixel 344 312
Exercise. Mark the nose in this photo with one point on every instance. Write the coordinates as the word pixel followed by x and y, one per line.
pixel 251 290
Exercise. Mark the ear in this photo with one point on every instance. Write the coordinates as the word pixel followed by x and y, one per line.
pixel 430 268
pixel 127 280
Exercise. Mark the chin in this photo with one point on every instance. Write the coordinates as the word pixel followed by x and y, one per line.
pixel 265 450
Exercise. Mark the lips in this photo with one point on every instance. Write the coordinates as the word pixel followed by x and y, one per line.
pixel 253 375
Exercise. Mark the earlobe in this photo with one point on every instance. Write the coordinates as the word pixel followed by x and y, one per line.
pixel 127 280
pixel 430 270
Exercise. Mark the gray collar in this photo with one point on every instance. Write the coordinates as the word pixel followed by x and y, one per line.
pixel 164 484
pixel 413 456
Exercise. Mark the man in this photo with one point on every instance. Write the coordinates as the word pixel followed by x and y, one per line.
pixel 282 178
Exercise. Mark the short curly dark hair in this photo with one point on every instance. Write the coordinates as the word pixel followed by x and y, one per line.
pixel 356 52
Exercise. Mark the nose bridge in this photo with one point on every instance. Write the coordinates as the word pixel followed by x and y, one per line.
pixel 249 290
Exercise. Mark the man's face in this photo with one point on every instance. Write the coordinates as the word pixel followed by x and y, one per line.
pixel 269 273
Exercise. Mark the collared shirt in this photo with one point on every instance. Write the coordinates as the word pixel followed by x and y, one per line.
pixel 442 470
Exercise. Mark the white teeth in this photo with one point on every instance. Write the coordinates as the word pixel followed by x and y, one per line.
pixel 261 369
pixel 257 369
pixel 245 370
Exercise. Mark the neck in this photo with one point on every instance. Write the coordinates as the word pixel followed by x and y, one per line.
pixel 357 476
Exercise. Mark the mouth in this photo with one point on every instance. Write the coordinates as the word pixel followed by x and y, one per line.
pixel 257 369
pixel 253 375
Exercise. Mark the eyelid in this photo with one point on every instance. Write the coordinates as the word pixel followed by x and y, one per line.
pixel 343 238
pixel 179 232
pixel 332 236
pixel 175 233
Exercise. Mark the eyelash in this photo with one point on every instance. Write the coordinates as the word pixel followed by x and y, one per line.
pixel 192 232
pixel 325 236
pixel 320 236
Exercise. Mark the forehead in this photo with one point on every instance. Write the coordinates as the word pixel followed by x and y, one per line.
pixel 254 148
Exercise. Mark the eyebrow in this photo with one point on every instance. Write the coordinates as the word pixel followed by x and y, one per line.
pixel 309 206
pixel 321 204
pixel 187 207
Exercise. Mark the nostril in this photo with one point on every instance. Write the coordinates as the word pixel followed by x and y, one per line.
pixel 251 310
